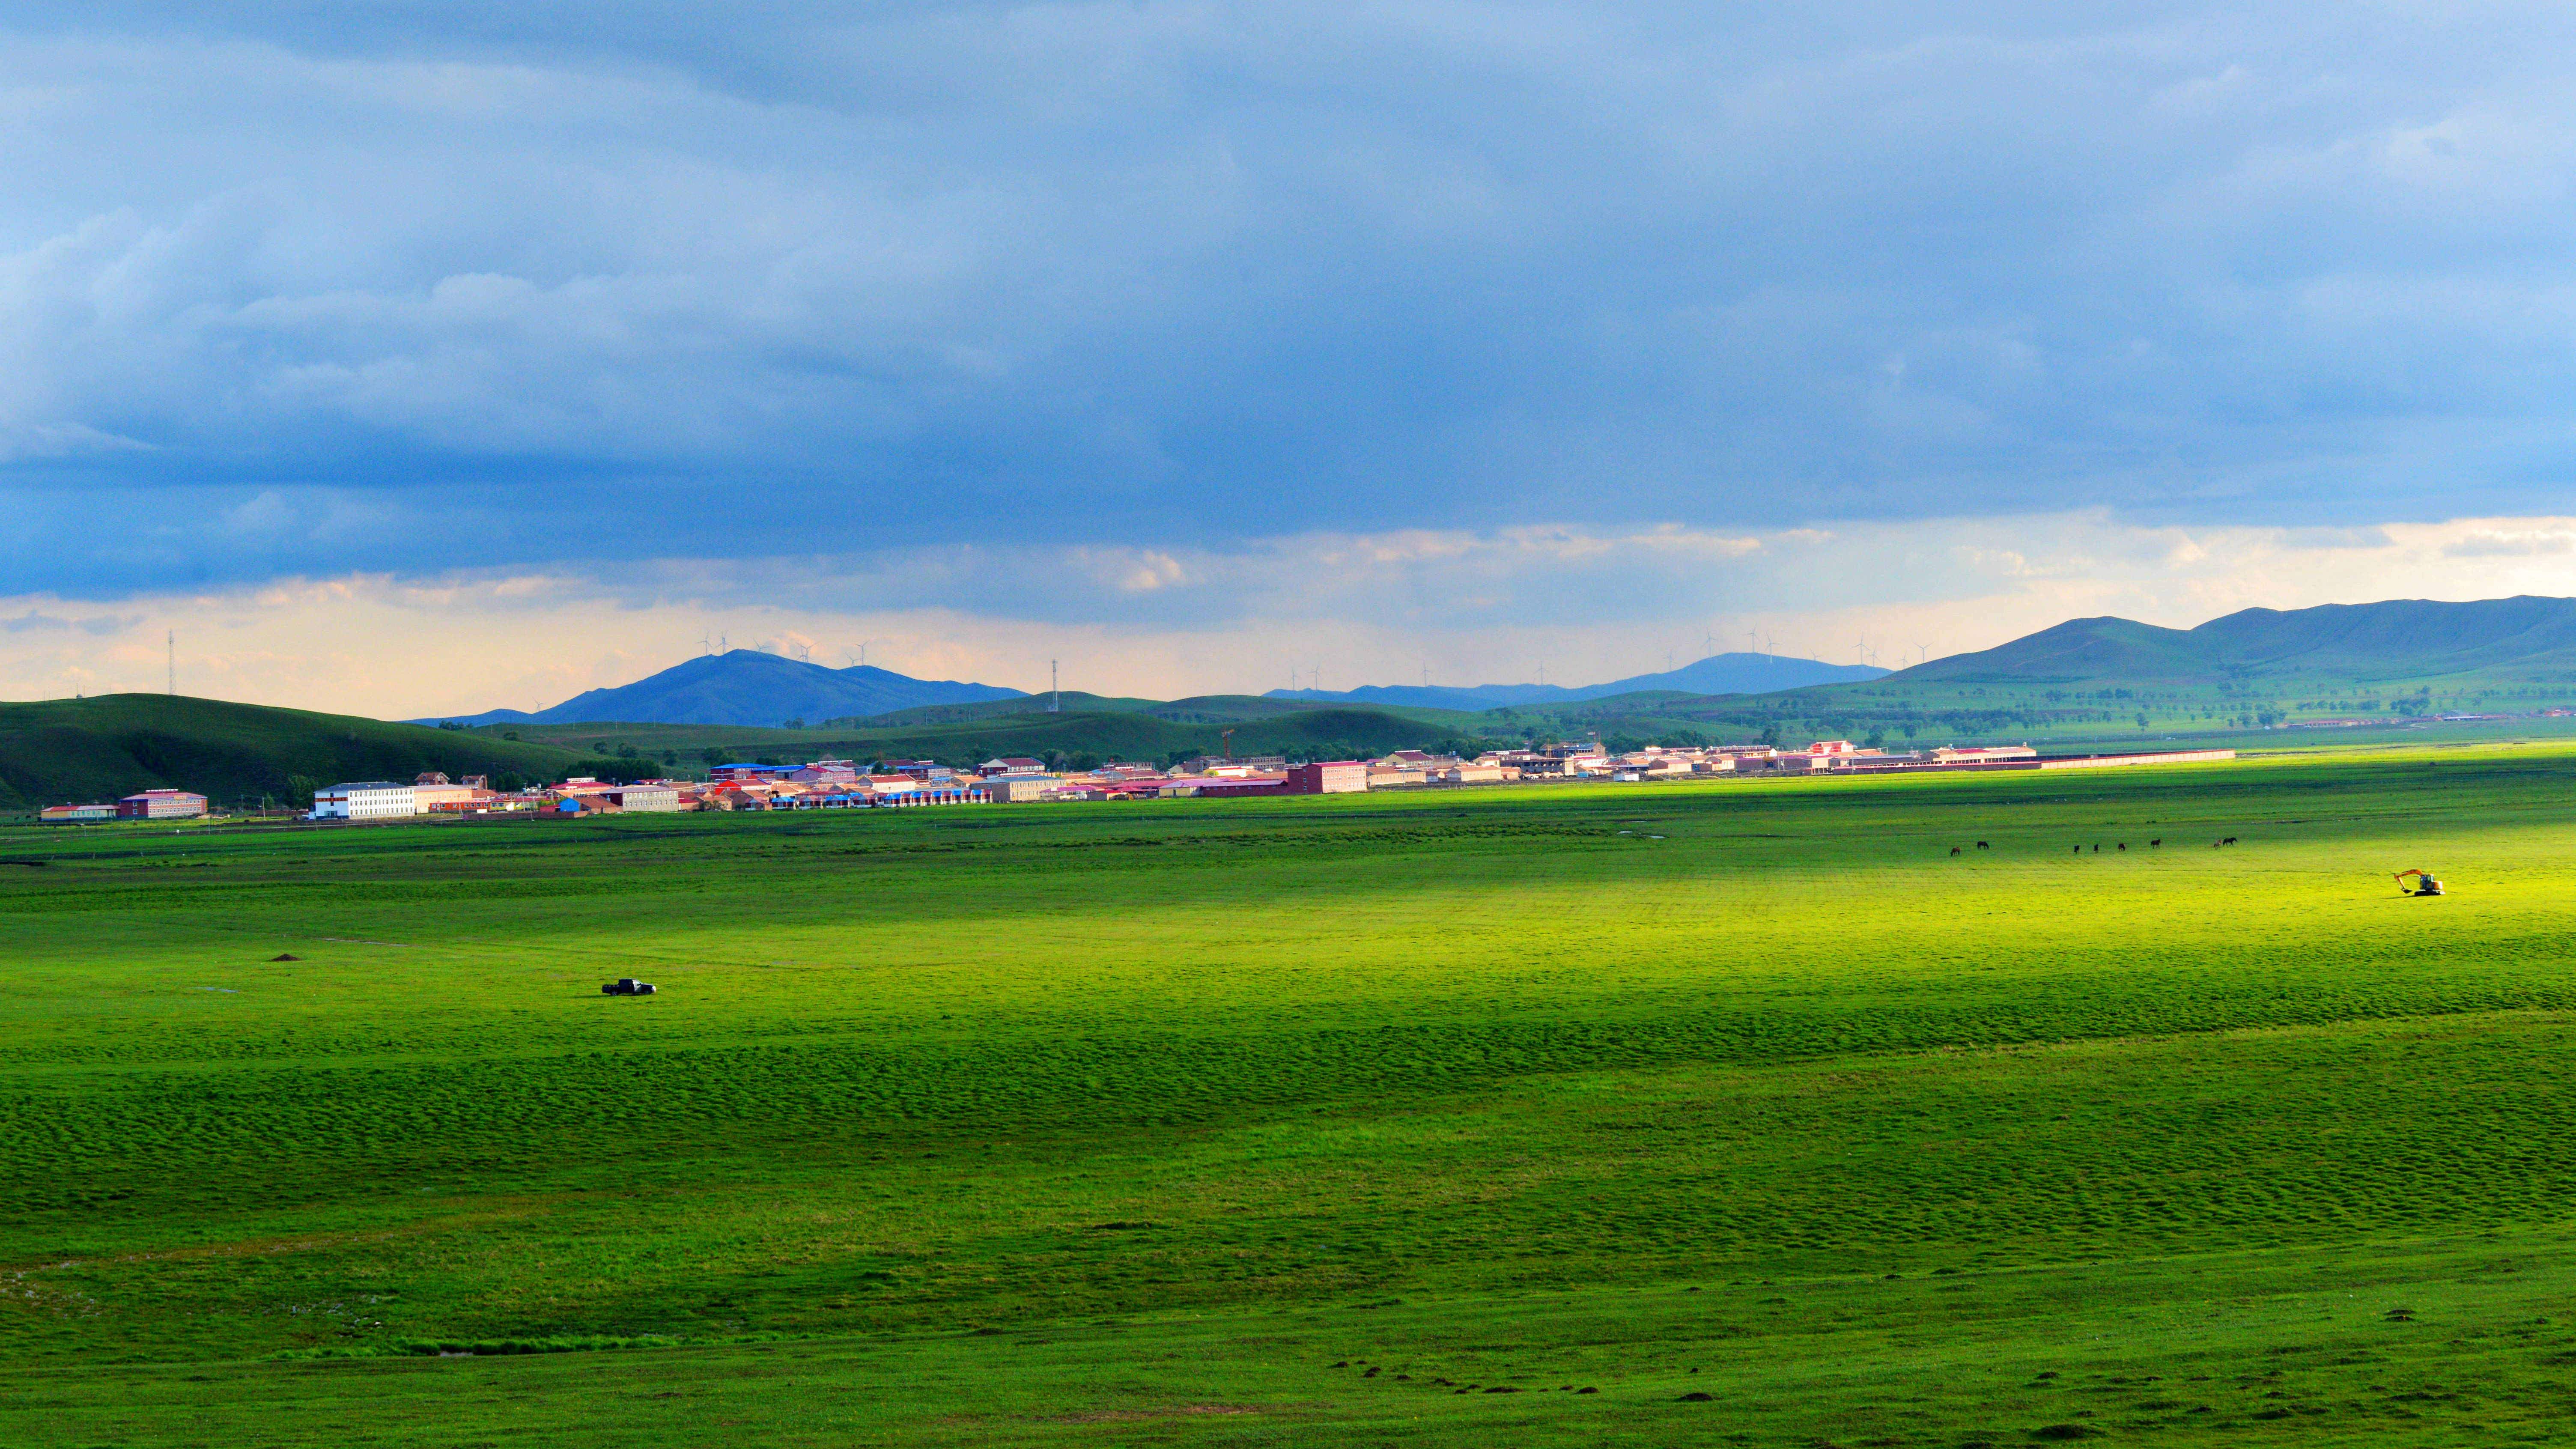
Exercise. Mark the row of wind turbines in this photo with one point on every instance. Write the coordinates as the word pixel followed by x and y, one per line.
pixel 1861 650
pixel 720 644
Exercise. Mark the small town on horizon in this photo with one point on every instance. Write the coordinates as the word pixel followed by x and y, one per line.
pixel 835 784
pixel 2015 707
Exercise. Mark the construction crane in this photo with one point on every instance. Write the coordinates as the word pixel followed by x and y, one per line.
pixel 2425 885
pixel 1227 739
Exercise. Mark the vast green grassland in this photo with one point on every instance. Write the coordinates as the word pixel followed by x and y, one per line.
pixel 1356 1120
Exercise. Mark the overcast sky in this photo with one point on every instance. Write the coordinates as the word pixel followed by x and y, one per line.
pixel 1199 342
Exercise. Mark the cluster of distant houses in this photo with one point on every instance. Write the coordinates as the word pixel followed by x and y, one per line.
pixel 1022 779
pixel 901 784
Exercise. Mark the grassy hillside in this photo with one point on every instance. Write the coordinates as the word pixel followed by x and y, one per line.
pixel 2118 683
pixel 1359 1120
pixel 2109 679
pixel 64 751
pixel 2532 640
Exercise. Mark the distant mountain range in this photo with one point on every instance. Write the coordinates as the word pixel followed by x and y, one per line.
pixel 1737 673
pixel 2396 639
pixel 748 687
pixel 2412 639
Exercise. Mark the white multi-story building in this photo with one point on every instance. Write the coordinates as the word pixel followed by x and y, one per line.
pixel 364 800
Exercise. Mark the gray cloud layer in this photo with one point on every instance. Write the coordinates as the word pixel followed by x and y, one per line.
pixel 297 288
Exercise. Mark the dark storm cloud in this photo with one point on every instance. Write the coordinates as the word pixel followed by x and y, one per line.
pixel 300 288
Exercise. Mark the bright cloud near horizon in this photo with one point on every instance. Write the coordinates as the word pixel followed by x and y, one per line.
pixel 411 359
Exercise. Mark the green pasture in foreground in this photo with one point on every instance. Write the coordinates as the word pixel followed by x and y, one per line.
pixel 1120 1124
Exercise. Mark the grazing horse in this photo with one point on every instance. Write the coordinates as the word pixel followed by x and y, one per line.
pixel 2124 845
pixel 2156 844
pixel 2231 840
pixel 1981 845
pixel 2079 850
pixel 1954 850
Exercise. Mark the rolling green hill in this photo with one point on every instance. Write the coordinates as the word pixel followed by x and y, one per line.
pixel 2391 666
pixel 68 750
pixel 2406 640
pixel 2396 663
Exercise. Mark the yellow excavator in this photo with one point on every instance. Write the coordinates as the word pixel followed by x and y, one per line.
pixel 2425 885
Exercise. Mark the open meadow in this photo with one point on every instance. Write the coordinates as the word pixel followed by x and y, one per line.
pixel 1586 1114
